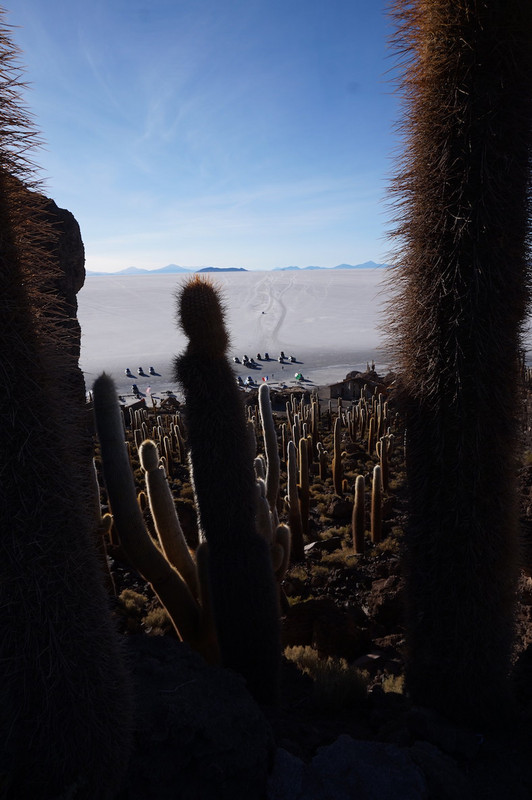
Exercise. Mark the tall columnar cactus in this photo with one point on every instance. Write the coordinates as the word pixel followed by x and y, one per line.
pixel 463 219
pixel 383 452
pixel 65 703
pixel 371 436
pixel 264 517
pixel 303 486
pixel 277 536
pixel 322 461
pixel 241 575
pixel 164 513
pixel 376 505
pixel 273 463
pixel 314 423
pixel 294 511
pixel 337 469
pixel 358 522
pixel 282 547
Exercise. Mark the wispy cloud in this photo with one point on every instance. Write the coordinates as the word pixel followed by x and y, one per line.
pixel 188 131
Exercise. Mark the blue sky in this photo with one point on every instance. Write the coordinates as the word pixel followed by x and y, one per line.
pixel 247 133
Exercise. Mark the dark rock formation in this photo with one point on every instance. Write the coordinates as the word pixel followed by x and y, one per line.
pixel 69 252
pixel 198 732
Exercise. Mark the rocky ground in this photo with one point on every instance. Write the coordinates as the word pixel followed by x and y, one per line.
pixel 344 727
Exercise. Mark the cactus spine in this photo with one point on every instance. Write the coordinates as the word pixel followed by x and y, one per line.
pixel 243 590
pixel 464 212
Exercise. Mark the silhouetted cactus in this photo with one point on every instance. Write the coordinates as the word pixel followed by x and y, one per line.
pixel 463 214
pixel 65 701
pixel 241 575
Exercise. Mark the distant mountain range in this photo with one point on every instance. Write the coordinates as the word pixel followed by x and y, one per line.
pixel 175 269
pixel 365 265
pixel 169 269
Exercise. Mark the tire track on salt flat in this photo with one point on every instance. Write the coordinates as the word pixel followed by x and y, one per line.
pixel 282 317
pixel 272 318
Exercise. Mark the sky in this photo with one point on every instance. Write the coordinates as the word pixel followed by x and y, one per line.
pixel 229 133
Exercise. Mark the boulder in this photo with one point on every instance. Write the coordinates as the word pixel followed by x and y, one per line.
pixel 385 603
pixel 198 732
pixel 348 769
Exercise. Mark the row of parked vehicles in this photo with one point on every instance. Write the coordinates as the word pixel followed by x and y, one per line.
pixel 250 382
pixel 140 371
pixel 246 361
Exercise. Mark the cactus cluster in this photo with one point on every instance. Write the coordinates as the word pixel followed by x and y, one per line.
pixel 301 439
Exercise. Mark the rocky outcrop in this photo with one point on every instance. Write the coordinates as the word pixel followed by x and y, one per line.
pixel 69 252
pixel 198 732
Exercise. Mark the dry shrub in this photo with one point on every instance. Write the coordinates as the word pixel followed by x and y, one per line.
pixel 337 686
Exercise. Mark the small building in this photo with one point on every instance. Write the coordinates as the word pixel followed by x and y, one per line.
pixel 352 386
pixel 130 407
pixel 348 389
